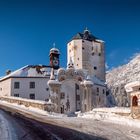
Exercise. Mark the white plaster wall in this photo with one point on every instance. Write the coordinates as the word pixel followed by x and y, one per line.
pixel 5 87
pixel 68 87
pixel 99 99
pixel 24 91
pixel 83 58
pixel 90 61
pixel 74 50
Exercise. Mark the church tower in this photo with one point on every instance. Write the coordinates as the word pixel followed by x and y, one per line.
pixel 87 52
pixel 54 58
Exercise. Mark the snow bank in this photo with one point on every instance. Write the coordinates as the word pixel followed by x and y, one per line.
pixel 101 114
pixel 31 109
pixel 113 110
pixel 109 115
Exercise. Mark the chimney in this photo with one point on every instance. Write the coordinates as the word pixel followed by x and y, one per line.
pixel 8 72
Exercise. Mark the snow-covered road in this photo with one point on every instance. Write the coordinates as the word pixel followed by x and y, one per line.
pixel 70 128
pixel 5 132
pixel 16 127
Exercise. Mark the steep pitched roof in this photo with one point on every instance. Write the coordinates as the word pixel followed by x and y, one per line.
pixel 86 35
pixel 90 37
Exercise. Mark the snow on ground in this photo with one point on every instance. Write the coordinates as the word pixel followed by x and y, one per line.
pixel 101 114
pixel 98 122
pixel 111 115
pixel 32 109
pixel 113 109
pixel 5 129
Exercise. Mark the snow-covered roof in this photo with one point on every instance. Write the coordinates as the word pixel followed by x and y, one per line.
pixel 54 50
pixel 99 40
pixel 87 82
pixel 86 35
pixel 97 81
pixel 30 71
pixel 53 82
pixel 129 87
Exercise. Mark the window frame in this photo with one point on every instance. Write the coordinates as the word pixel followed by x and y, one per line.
pixel 16 85
pixel 30 96
pixel 32 85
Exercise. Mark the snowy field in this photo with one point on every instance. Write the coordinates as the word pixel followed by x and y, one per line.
pixel 102 122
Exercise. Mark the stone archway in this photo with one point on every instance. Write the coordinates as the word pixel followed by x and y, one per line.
pixel 135 101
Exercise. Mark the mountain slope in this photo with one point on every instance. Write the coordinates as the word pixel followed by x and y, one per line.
pixel 119 77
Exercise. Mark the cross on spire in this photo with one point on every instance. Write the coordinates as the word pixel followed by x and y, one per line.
pixel 54 45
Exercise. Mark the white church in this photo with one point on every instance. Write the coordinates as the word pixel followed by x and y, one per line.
pixel 79 87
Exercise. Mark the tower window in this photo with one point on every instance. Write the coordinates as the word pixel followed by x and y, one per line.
pixel 103 91
pixel 92 48
pixel 78 58
pixel 99 54
pixel 83 41
pixel 92 53
pixel 77 64
pixel 95 68
pixel 83 48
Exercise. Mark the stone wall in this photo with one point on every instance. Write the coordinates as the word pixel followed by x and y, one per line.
pixel 26 102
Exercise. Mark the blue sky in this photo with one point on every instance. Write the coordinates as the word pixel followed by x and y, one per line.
pixel 28 29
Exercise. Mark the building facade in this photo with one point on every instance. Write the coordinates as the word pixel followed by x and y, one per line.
pixel 28 82
pixel 79 87
pixel 74 91
pixel 87 52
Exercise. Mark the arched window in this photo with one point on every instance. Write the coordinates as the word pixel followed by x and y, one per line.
pixel 135 101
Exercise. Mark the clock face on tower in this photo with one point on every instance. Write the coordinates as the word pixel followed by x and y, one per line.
pixel 55 61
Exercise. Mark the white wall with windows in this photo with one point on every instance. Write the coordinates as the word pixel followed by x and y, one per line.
pixel 27 87
pixel 99 95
